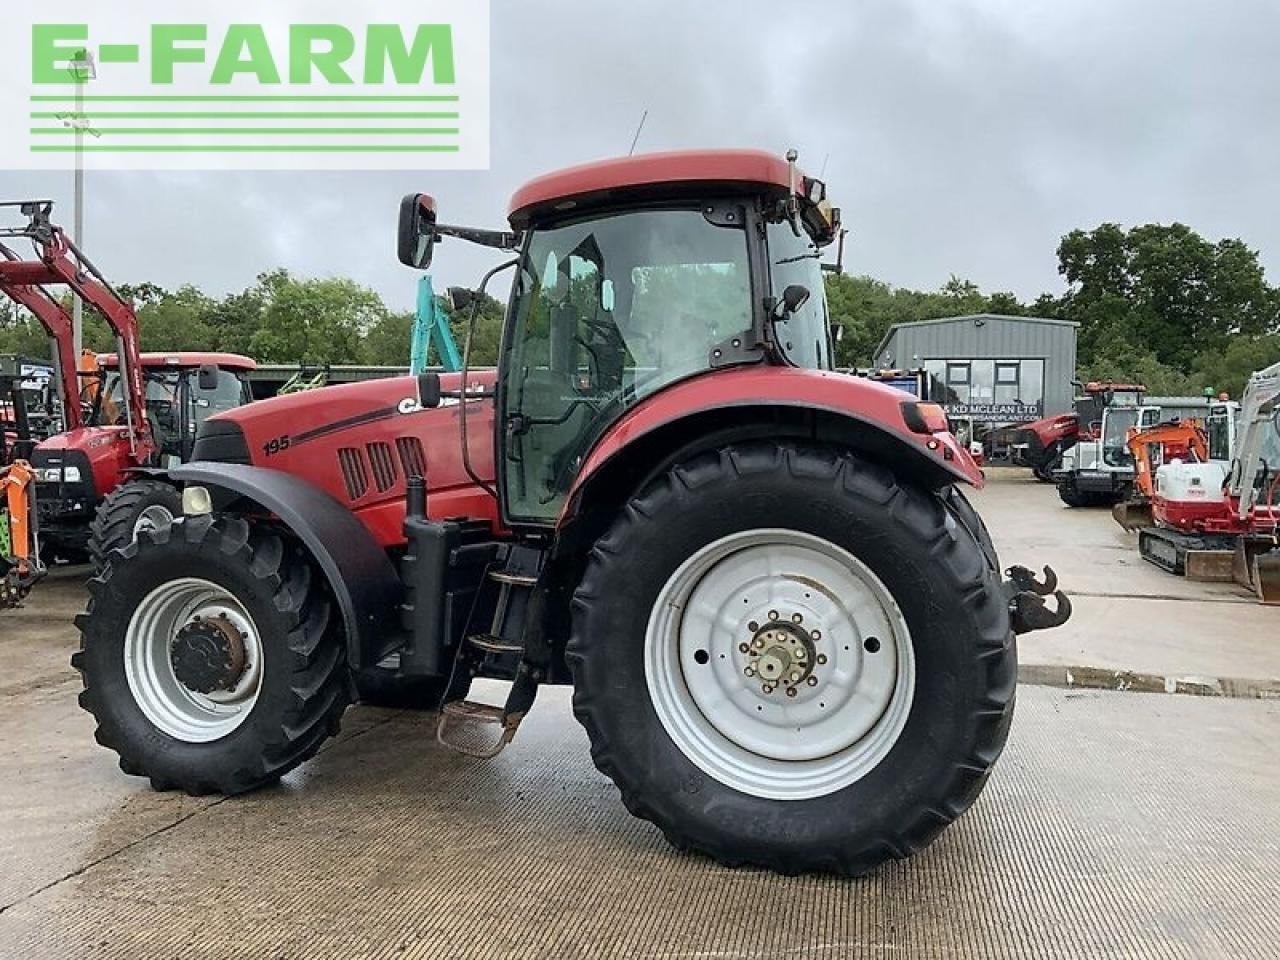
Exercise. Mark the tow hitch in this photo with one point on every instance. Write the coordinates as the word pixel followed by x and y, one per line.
pixel 1027 609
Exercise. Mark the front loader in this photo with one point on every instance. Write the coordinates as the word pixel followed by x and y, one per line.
pixel 787 631
pixel 98 479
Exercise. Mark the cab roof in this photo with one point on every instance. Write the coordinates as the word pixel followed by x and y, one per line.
pixel 597 183
pixel 228 361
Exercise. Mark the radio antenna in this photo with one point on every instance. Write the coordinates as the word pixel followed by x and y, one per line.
pixel 636 139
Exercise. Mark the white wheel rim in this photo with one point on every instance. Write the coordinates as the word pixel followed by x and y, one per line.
pixel 838 726
pixel 174 708
pixel 154 517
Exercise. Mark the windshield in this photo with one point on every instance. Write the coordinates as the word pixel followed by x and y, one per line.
pixel 805 335
pixel 1116 422
pixel 164 388
pixel 607 311
pixel 1218 428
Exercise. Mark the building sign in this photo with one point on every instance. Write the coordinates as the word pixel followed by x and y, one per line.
pixel 997 412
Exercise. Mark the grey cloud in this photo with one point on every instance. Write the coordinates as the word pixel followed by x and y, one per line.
pixel 963 136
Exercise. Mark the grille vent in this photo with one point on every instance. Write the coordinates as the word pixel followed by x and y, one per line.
pixel 354 473
pixel 384 467
pixel 412 458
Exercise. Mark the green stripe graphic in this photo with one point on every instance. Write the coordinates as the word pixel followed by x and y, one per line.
pixel 248 131
pixel 89 98
pixel 260 115
pixel 247 148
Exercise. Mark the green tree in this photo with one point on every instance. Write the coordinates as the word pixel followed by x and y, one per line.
pixel 387 342
pixel 313 321
pixel 1164 288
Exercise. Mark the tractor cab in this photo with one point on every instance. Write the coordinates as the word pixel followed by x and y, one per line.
pixel 634 275
pixel 182 391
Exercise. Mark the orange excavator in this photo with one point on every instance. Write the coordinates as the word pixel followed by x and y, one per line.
pixel 20 565
pixel 1151 448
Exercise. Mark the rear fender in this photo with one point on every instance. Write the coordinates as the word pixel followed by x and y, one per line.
pixel 363 580
pixel 777 402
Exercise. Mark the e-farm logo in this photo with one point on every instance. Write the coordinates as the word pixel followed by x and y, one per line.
pixel 165 85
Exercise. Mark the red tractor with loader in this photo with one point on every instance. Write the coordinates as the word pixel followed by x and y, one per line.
pixel 101 480
pixel 787 631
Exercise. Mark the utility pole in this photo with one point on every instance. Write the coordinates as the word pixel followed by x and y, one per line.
pixel 83 69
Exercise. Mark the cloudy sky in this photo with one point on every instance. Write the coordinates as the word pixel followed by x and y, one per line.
pixel 959 136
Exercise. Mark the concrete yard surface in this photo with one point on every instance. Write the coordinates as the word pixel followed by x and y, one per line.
pixel 1128 613
pixel 1115 825
pixel 1118 825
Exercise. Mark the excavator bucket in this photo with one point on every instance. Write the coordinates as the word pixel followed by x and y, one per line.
pixel 1257 566
pixel 1133 514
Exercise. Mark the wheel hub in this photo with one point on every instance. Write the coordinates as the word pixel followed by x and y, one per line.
pixel 208 655
pixel 780 654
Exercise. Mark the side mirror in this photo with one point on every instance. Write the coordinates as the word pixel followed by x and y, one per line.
pixel 416 234
pixel 207 377
pixel 460 298
pixel 793 298
pixel 837 332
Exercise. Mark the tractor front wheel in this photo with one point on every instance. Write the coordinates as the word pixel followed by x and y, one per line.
pixel 129 510
pixel 787 657
pixel 209 657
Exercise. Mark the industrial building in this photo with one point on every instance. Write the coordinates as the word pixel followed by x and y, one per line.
pixel 989 369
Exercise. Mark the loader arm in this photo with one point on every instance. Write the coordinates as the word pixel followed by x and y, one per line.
pixel 60 263
pixel 57 324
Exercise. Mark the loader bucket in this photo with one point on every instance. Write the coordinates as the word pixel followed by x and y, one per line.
pixel 1133 514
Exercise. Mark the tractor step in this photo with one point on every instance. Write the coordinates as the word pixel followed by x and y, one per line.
pixel 490 643
pixel 513 579
pixel 460 721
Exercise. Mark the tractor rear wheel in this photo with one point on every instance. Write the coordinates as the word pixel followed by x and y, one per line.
pixel 209 657
pixel 128 510
pixel 787 657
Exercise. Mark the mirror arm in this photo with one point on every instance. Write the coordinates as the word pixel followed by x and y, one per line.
pixel 501 239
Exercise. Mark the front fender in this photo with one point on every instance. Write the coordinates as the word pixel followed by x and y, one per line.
pixel 363 580
pixel 876 410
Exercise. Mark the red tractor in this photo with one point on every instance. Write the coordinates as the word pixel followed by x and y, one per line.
pixel 788 635
pixel 101 480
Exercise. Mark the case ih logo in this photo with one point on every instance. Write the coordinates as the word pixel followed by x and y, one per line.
pixel 154 85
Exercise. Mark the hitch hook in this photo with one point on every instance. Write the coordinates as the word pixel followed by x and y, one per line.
pixel 1026 581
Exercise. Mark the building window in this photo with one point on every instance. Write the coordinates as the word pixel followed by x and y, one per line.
pixel 958 377
pixel 1008 377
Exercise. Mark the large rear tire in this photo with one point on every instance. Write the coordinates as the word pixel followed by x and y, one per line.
pixel 794 562
pixel 209 659
pixel 130 509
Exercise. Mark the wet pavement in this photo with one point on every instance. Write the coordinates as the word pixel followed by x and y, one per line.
pixel 1116 825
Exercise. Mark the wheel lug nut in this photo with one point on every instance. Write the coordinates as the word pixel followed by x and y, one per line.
pixel 744 647
pixel 822 658
pixel 753 626
pixel 797 618
pixel 767 687
pixel 812 681
pixel 817 634
pixel 791 691
pixel 750 671
pixel 773 614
